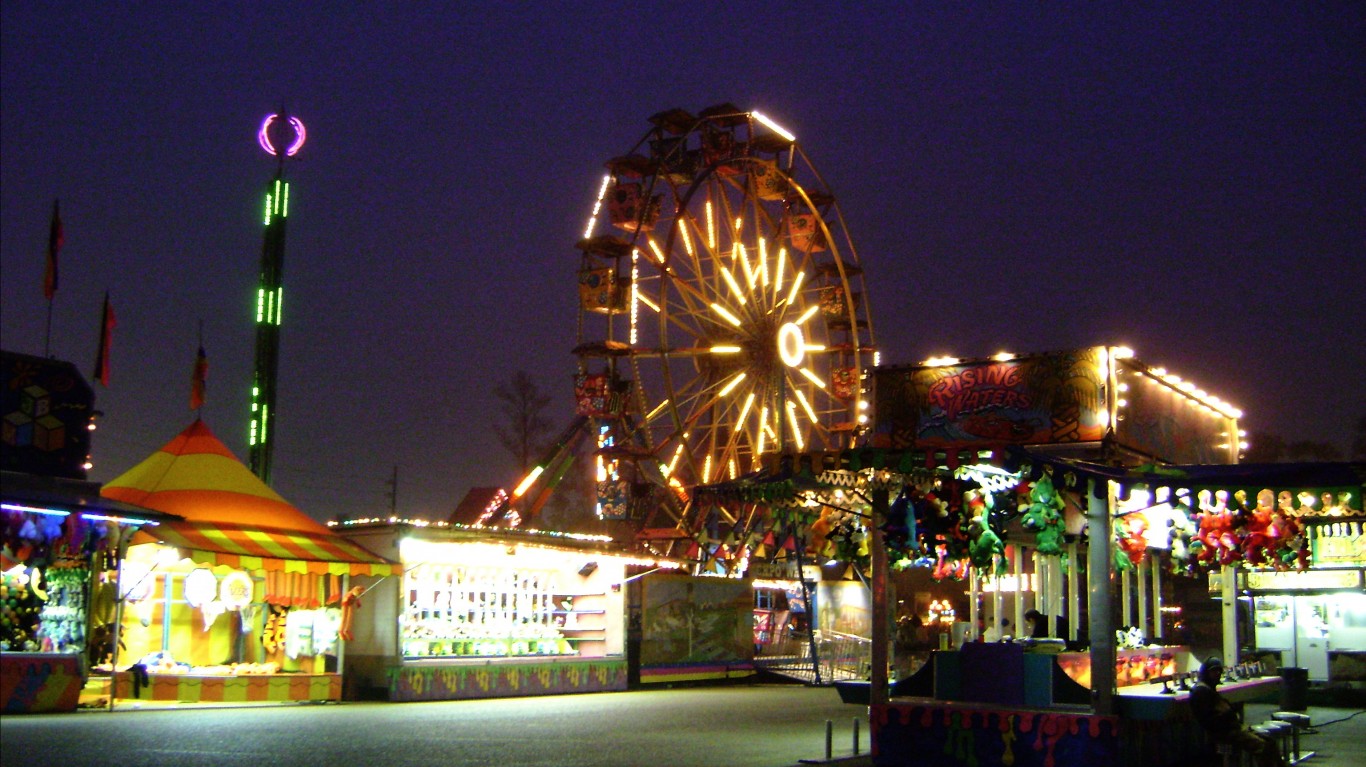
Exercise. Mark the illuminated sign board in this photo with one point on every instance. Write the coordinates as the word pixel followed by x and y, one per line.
pixel 1162 419
pixel 1053 398
pixel 1310 580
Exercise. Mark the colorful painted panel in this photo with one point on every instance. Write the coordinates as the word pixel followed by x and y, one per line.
pixel 35 683
pixel 45 408
pixel 243 688
pixel 456 682
pixel 1041 399
pixel 1168 425
pixel 939 736
pixel 696 620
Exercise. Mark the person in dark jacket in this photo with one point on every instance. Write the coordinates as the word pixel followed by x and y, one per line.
pixel 1220 718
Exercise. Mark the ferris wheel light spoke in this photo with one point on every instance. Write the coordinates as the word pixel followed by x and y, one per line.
pixel 725 315
pixel 810 376
pixel 644 300
pixel 778 272
pixel 808 314
pixel 725 349
pixel 806 405
pixel 734 286
pixel 775 127
pixel 764 430
pixel 711 227
pixel 730 387
pixel 763 262
pixel 739 253
pixel 657 410
pixel 796 287
pixel 654 246
pixel 796 426
pixel 706 469
pixel 683 234
pixel 635 295
pixel 744 411
pixel 733 472
pixel 597 207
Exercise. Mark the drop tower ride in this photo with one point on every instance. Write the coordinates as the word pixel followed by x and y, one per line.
pixel 281 136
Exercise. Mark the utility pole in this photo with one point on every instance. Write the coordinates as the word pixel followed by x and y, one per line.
pixel 392 482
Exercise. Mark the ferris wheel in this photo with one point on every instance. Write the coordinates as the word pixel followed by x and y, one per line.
pixel 722 316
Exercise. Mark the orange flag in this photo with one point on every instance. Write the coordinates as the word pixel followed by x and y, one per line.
pixel 56 238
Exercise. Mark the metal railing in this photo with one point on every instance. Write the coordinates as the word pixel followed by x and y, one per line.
pixel 838 656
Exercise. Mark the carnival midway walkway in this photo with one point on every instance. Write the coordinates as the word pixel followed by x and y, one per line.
pixel 751 725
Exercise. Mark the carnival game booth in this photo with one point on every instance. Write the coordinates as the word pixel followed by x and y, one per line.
pixel 482 612
pixel 58 564
pixel 1302 564
pixel 59 540
pixel 246 600
pixel 1075 428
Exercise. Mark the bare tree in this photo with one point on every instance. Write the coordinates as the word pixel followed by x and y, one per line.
pixel 1272 448
pixel 526 428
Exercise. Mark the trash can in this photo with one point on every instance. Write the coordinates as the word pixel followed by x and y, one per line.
pixel 1294 688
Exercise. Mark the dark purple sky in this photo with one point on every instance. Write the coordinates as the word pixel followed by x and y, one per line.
pixel 1185 179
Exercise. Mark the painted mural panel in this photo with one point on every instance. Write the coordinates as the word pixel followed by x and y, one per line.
pixel 1168 425
pixel 1051 398
pixel 690 620
pixel 45 405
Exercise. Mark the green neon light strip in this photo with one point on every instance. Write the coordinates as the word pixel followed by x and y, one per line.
pixel 269 203
pixel 285 213
pixel 260 305
pixel 279 306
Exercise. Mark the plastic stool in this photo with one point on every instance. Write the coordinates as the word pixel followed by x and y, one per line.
pixel 1279 733
pixel 1301 723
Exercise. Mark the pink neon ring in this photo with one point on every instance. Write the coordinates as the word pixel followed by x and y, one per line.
pixel 263 135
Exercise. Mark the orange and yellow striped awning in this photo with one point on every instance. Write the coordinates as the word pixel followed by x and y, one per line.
pixel 230 516
pixel 218 543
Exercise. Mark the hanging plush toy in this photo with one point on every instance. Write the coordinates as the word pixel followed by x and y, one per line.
pixel 900 528
pixel 349 605
pixel 1180 538
pixel 1259 532
pixel 820 532
pixel 985 546
pixel 272 636
pixel 1044 517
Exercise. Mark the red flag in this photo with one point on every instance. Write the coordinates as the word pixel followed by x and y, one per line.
pixel 106 338
pixel 56 238
pixel 198 379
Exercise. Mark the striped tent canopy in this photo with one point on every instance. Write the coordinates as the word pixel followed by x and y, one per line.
pixel 230 516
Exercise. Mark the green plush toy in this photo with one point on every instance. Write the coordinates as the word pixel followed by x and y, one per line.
pixel 1044 517
pixel 983 544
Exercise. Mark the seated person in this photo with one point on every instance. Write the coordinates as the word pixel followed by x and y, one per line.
pixel 1036 625
pixel 1220 719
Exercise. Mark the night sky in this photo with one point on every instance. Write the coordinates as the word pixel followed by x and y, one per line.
pixel 1186 179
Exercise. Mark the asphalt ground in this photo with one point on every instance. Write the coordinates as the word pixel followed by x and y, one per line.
pixel 730 726
pixel 754 725
pixel 1338 738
